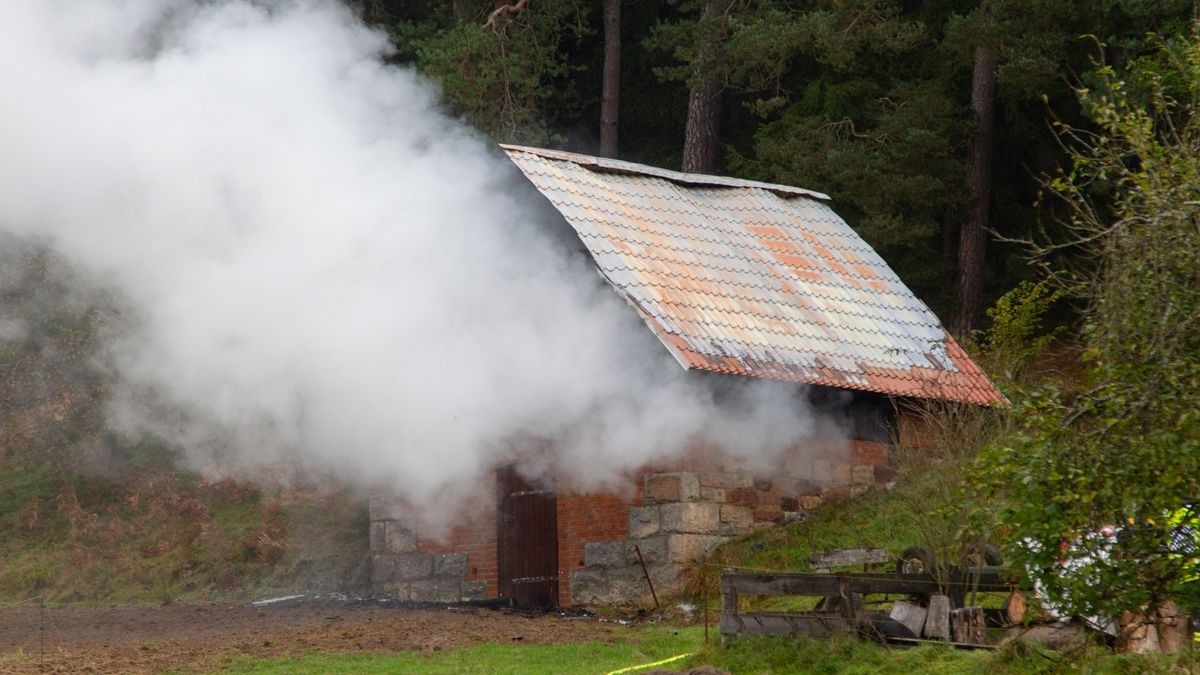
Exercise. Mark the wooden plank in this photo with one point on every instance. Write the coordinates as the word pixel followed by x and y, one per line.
pixel 966 625
pixel 912 642
pixel 814 625
pixel 862 583
pixel 937 622
pixel 849 557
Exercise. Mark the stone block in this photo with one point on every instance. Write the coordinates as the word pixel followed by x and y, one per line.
pixel 644 521
pixel 741 516
pixel 767 500
pixel 403 567
pixel 671 487
pixel 378 536
pixel 725 480
pixel 843 474
pixel 450 565
pixel 654 550
pixel 614 586
pixel 805 486
pixel 762 484
pixel 401 591
pixel 686 548
pixel 668 578
pixel 397 538
pixel 884 475
pixel 862 474
pixel 773 516
pixel 834 492
pixel 604 554
pixel 856 490
pixel 447 590
pixel 474 589
pixel 710 494
pixel 741 497
pixel 423 591
pixel 823 471
pixel 386 507
pixel 691 517
pixel 789 504
pixel 809 502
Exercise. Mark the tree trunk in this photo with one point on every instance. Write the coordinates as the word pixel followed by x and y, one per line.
pixel 972 239
pixel 704 101
pixel 610 99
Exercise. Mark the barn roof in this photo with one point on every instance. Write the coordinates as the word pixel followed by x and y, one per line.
pixel 755 279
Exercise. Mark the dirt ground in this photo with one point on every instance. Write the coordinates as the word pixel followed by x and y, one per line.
pixel 193 638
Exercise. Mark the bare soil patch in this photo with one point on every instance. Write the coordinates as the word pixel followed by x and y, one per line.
pixel 194 638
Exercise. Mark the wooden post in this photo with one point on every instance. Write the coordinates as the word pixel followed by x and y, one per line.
pixel 966 625
pixel 1014 607
pixel 1174 628
pixel 937 623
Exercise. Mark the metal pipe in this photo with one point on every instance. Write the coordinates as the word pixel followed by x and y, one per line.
pixel 638 550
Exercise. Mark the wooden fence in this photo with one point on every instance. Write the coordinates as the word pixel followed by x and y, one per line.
pixel 842 608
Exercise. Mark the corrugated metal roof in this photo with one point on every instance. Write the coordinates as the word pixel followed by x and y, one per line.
pixel 750 278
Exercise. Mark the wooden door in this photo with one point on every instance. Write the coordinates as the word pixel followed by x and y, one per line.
pixel 527 540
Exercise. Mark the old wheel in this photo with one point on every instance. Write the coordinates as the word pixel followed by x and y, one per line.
pixel 982 555
pixel 916 560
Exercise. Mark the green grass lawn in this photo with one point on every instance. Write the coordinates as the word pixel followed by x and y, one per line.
pixel 750 656
pixel 644 645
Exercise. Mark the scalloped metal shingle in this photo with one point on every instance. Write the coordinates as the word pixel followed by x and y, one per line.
pixel 754 279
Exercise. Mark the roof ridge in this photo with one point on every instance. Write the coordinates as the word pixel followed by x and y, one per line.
pixel 621 166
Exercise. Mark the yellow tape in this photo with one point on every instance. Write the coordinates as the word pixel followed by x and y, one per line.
pixel 630 669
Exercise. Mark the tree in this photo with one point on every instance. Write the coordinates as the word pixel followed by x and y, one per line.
pixel 507 69
pixel 1122 450
pixel 705 90
pixel 972 241
pixel 610 97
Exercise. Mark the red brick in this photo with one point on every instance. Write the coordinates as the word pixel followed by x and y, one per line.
pixel 741 497
pixel 768 516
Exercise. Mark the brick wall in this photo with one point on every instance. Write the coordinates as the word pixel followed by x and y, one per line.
pixel 477 538
pixel 738 503
pixel 582 519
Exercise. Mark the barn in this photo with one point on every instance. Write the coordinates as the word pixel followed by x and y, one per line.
pixel 736 278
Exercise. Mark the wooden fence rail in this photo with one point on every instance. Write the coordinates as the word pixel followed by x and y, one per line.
pixel 841 610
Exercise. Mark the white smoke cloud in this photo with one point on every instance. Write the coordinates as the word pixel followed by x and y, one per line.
pixel 323 265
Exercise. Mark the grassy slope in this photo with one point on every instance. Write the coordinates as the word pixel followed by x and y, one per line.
pixel 157 534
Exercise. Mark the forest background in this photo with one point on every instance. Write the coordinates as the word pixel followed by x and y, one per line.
pixel 929 122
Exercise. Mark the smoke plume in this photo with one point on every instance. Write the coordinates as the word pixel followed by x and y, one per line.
pixel 321 265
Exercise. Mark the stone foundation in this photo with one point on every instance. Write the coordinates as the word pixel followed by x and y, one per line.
pixel 685 515
pixel 673 517
pixel 401 571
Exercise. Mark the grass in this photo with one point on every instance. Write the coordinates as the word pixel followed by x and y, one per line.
pixel 156 533
pixel 748 655
pixel 883 518
pixel 645 645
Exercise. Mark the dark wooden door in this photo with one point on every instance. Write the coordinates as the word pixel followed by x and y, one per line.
pixel 527 540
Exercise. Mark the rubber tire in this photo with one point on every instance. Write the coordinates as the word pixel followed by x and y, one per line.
pixel 990 555
pixel 916 555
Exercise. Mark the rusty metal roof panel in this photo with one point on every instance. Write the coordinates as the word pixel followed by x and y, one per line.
pixel 754 279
